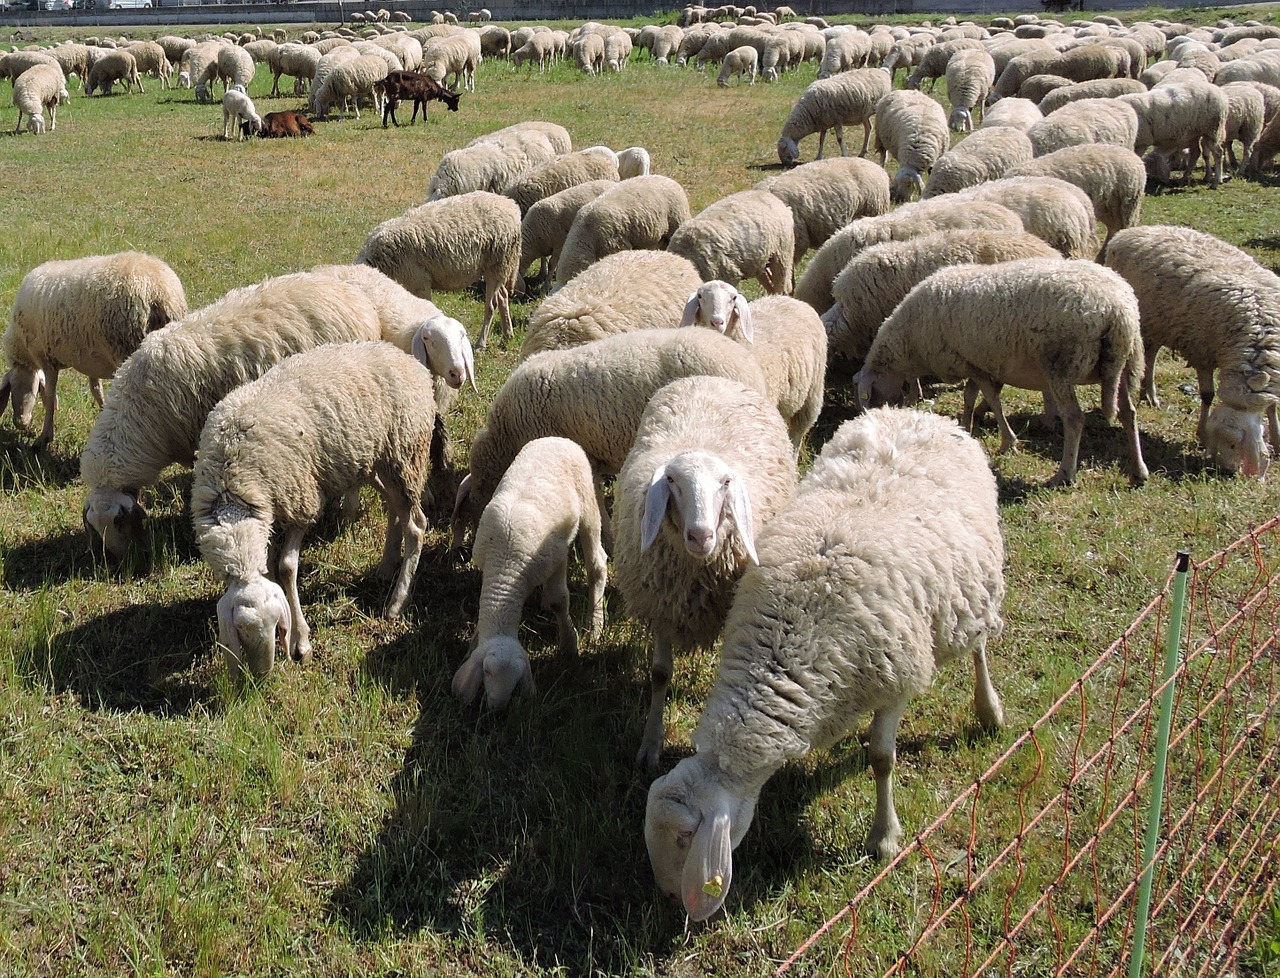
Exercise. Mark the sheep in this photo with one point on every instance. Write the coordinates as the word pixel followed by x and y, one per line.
pixel 923 217
pixel 588 53
pixel 593 394
pixel 315 427
pixel 1266 148
pixel 74 59
pixel 632 162
pixel 495 41
pixel 825 195
pixel 1217 307
pixel 160 396
pixel 114 66
pixel 539 49
pixel 912 128
pixel 448 244
pixel 296 60
pixel 1172 118
pixel 934 60
pixel 846 99
pixel 643 212
pixel 14 63
pixel 38 88
pixel 1078 64
pixel 1038 87
pixel 151 59
pixel 457 55
pixel 970 75
pixel 741 61
pixel 493 162
pixel 709 467
pixel 981 156
pixel 1054 210
pixel 1091 120
pixel 544 229
pixel 528 133
pixel 621 292
pixel 86 314
pixel 559 174
pixel 238 110
pixel 875 280
pixel 1098 88
pixel 617 49
pixel 352 80
pixel 1246 115
pixel 748 234
pixel 886 564
pixel 545 500
pixel 1113 178
pixel 234 66
pixel 1042 323
pixel 1017 113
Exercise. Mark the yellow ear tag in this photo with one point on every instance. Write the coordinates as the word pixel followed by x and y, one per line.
pixel 714 887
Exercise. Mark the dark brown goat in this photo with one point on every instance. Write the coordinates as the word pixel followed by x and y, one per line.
pixel 403 85
pixel 276 124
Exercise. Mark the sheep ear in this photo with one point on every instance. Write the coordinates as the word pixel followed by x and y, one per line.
pixel 864 385
pixel 708 865
pixel 418 347
pixel 1257 381
pixel 228 637
pixel 469 359
pixel 526 686
pixel 467 680
pixel 655 507
pixel 740 509
pixel 284 620
pixel 690 311
pixel 459 507
pixel 742 310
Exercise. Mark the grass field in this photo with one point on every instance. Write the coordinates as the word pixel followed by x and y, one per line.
pixel 352 817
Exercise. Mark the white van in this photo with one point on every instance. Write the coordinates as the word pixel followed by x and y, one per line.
pixel 129 4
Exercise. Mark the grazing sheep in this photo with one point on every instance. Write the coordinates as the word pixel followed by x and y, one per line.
pixel 1173 118
pixel 741 61
pixel 457 55
pixel 970 75
pixel 296 60
pixel 593 394
pixel 633 162
pixel 643 212
pixel 151 59
pixel 1040 323
pixel 38 88
pixel 825 195
pixel 238 110
pixel 494 161
pixel 846 99
pixel 539 48
pixel 161 395
pixel 1077 64
pixel 351 80
pixel 86 314
pixel 1113 178
pixel 1091 120
pixel 886 564
pixel 983 155
pixel 1217 307
pixel 231 65
pixel 709 467
pixel 588 53
pixel 542 504
pixel 1246 116
pixel 544 229
pixel 1098 88
pixel 1054 210
pixel 313 428
pixel 560 174
pixel 449 244
pixel 749 234
pixel 620 293
pixel 912 128
pixel 114 66
pixel 936 57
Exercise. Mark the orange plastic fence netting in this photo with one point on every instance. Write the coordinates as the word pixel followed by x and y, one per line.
pixel 1057 895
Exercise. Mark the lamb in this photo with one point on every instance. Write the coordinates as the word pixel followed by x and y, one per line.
pixel 314 427
pixel 643 212
pixel 545 501
pixel 561 174
pixel 1041 323
pixel 886 564
pixel 414 85
pixel 1216 306
pixel 238 110
pixel 970 75
pixel 1090 120
pixel 38 88
pixel 981 156
pixel 161 395
pixel 545 228
pixel 1054 210
pixel 283 124
pixel 825 195
pixel 593 394
pixel 620 293
pixel 741 61
pixel 875 280
pixel 749 234
pixel 449 244
pixel 87 314
pixel 114 66
pixel 1113 177
pixel 846 99
pixel 912 128
pixel 710 466
pixel 351 80
pixel 1173 118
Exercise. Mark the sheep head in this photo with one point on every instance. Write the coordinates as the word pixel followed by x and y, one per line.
pixel 788 151
pixel 113 521
pixel 442 346
pixel 1236 440
pixel 707 500
pixel 252 614
pixel 24 386
pixel 721 307
pixel 502 664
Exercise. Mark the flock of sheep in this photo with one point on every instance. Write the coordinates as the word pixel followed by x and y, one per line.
pixel 833 595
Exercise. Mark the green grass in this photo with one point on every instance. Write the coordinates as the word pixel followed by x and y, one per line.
pixel 352 817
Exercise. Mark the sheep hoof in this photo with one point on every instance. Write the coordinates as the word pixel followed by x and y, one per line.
pixel 647 757
pixel 1060 478
pixel 884 845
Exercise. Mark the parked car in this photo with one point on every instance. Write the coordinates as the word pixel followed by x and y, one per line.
pixel 57 4
pixel 129 4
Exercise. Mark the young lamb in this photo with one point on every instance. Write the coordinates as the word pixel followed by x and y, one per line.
pixel 546 226
pixel 543 503
pixel 450 243
pixel 826 195
pixel 313 428
pixel 710 466
pixel 1217 307
pixel 595 395
pixel 846 99
pixel 748 234
pixel 886 565
pixel 983 155
pixel 1039 323
pixel 643 212
pixel 1113 178
pixel 622 292
pixel 911 127
pixel 38 88
pixel 739 63
pixel 86 314
pixel 161 395
pixel 238 110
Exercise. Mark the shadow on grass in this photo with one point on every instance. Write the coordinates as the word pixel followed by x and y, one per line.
pixel 24 467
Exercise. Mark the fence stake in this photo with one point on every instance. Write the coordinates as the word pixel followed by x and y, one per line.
pixel 1162 752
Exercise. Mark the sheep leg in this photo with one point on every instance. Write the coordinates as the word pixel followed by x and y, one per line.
pixel 95 388
pixel 596 561
pixel 986 701
pixel 1068 404
pixel 413 527
pixel 840 138
pixel 1129 423
pixel 555 596
pixel 866 138
pixel 991 394
pixel 1273 427
pixel 289 551
pixel 822 139
pixel 1205 382
pixel 1149 377
pixel 49 394
pixel 660 669
pixel 606 523
pixel 884 839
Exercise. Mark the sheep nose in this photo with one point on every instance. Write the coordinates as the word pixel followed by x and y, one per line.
pixel 700 540
pixel 455 378
pixel 718 322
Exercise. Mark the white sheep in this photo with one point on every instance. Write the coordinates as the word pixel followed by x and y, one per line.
pixel 970 74
pixel 886 564
pixel 1018 113
pixel 352 80
pixel 546 226
pixel 622 292
pixel 1113 178
pixel 643 212
pixel 748 234
pixel 1217 307
pixel 1054 210
pixel 1040 323
pixel 825 195
pixel 633 162
pixel 709 467
pixel 114 66
pixel 456 56
pixel 560 174
pixel 934 60
pixel 296 60
pixel 593 394
pixel 846 99
pixel 739 63
pixel 911 127
pixel 493 162
pixel 1097 88
pixel 983 155
pixel 450 243
pixel 235 67
pixel 38 88
pixel 1091 120
pixel 315 427
pixel 152 60
pixel 161 395
pixel 1246 117
pixel 1174 118
pixel 543 503
pixel 86 314
pixel 238 110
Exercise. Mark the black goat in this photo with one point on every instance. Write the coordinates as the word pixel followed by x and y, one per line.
pixel 402 85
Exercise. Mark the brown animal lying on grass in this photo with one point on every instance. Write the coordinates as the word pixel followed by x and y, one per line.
pixel 402 85
pixel 278 124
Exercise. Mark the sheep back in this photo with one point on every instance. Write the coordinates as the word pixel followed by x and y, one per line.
pixel 643 212
pixel 825 195
pixel 748 234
